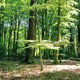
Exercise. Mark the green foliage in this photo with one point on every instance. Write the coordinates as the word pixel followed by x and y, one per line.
pixel 46 20
pixel 44 44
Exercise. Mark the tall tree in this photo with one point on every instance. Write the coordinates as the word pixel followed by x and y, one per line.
pixel 2 48
pixel 56 53
pixel 31 33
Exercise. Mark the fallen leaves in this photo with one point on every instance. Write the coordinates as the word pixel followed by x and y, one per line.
pixel 25 71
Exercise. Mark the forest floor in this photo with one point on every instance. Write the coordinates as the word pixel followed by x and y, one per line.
pixel 10 70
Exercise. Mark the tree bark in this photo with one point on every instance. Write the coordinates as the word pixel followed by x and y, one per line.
pixel 14 39
pixel 31 34
pixel 10 33
pixel 56 53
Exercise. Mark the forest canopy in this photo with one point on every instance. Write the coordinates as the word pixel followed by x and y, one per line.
pixel 39 28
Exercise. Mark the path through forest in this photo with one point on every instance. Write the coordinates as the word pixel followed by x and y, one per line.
pixel 69 65
pixel 34 70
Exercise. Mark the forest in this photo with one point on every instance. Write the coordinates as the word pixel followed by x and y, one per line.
pixel 39 39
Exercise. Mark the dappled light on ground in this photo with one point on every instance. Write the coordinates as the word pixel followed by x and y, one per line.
pixel 24 70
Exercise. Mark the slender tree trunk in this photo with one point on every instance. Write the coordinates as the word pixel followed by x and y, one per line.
pixel 73 44
pixel 78 29
pixel 1 21
pixel 79 40
pixel 59 20
pixel 58 33
pixel 40 51
pixel 9 39
pixel 43 29
pixel 14 39
pixel 17 34
pixel 2 48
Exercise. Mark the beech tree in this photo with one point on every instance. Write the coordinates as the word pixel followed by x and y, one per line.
pixel 31 33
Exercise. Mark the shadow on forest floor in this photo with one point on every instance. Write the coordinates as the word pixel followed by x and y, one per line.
pixel 14 70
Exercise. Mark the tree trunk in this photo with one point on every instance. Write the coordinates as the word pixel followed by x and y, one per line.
pixel 14 39
pixel 56 54
pixel 31 34
pixel 78 29
pixel 9 39
pixel 58 33
pixel 17 36
pixel 1 22
pixel 2 47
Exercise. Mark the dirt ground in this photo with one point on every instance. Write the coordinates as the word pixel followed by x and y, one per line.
pixel 34 69
pixel 69 65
